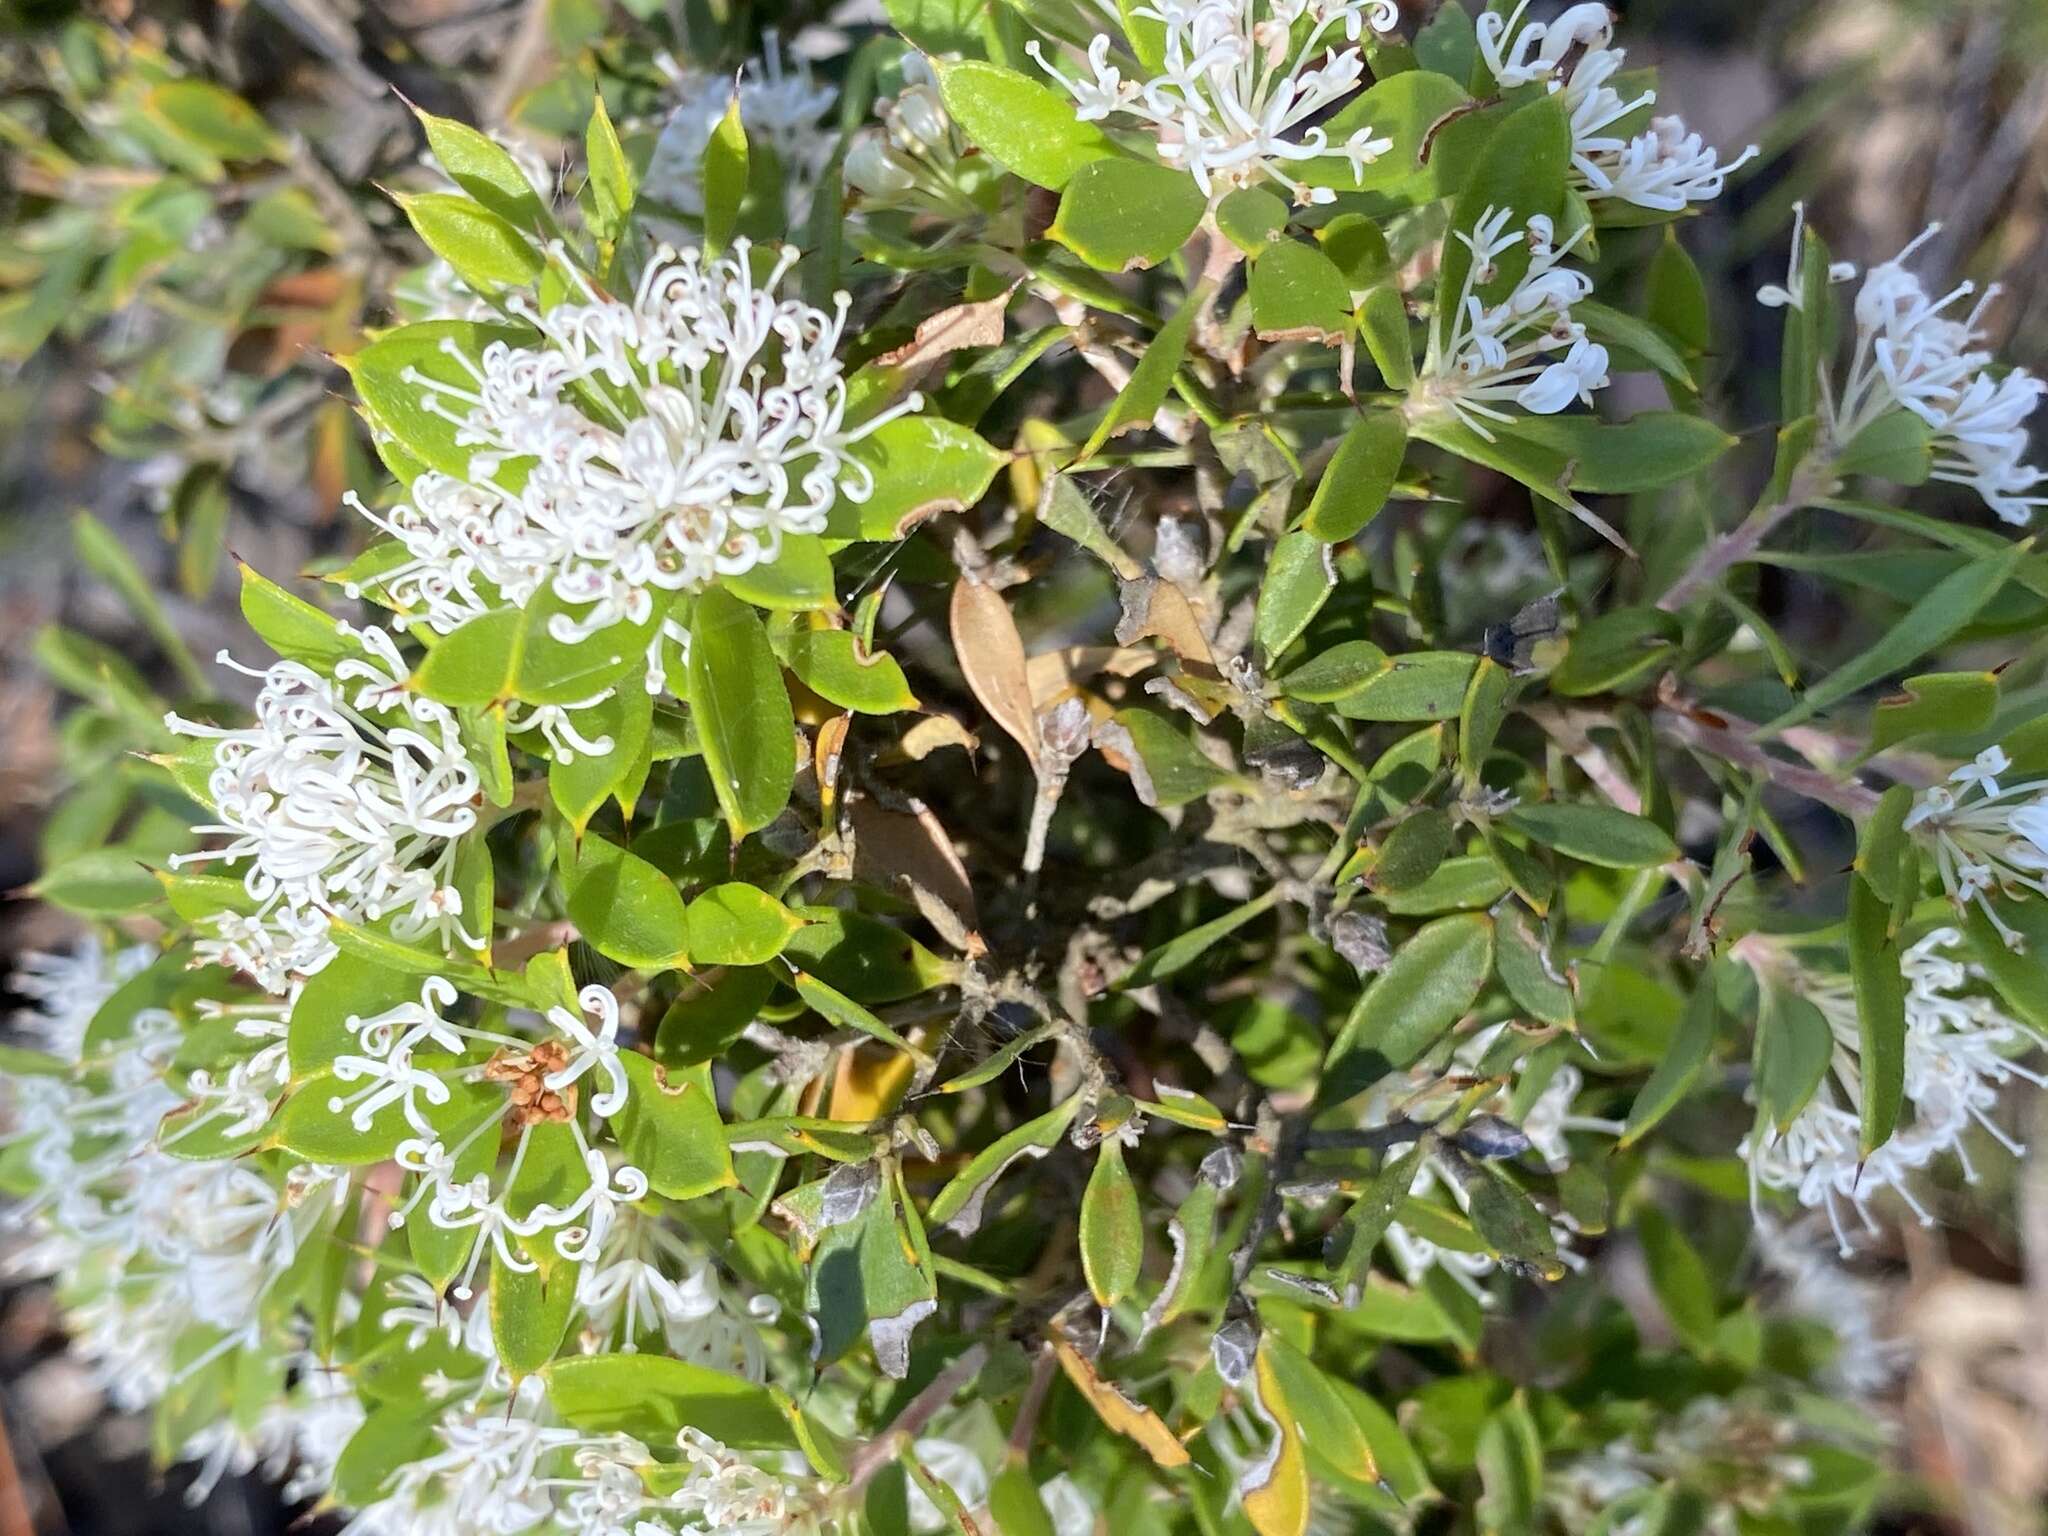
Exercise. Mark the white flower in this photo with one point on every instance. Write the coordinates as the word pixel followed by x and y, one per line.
pixel 1664 167
pixel 913 160
pixel 1911 355
pixel 1792 295
pixel 335 809
pixel 1867 1360
pixel 583 1223
pixel 731 1494
pixel 1989 838
pixel 68 989
pixel 781 107
pixel 1959 1045
pixel 664 442
pixel 592 1049
pixel 1507 353
pixel 1236 87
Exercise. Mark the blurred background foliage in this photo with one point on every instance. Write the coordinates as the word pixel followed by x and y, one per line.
pixel 194 222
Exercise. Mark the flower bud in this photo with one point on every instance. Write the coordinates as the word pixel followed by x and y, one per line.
pixel 872 167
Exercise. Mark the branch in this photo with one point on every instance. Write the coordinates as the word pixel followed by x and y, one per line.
pixel 1727 738
pixel 917 1413
pixel 1812 478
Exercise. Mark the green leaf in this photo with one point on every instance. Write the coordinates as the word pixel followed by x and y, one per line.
pixel 487 252
pixel 922 465
pixel 385 376
pixel 1351 1243
pixel 1140 398
pixel 289 624
pixel 669 1129
pixel 1022 125
pixel 348 986
pixel 1508 1222
pixel 1898 446
pixel 865 958
pixel 736 924
pixel 1616 651
pixel 723 176
pixel 699 1025
pixel 476 163
pixel 1432 982
pixel 510 653
pixel 1176 770
pixel 1112 1227
pixel 1794 1045
pixel 1383 323
pixel 744 720
pixel 797 580
pixel 625 908
pixel 1679 1277
pixel 1360 477
pixel 1420 685
pixel 1647 452
pixel 1342 670
pixel 830 663
pixel 959 1205
pixel 1677 296
pixel 108 558
pixel 1300 576
pixel 1412 851
pixel 1182 950
pixel 1521 170
pixel 650 1397
pixel 1936 704
pixel 1405 107
pixel 530 1313
pixel 310 1126
pixel 1594 834
pixel 1525 968
pixel 1678 1068
pixel 101 882
pixel 582 783
pixel 216 120
pixel 1930 623
pixel 611 174
pixel 1123 215
pixel 1479 721
pixel 1250 217
pixel 1298 294
pixel 1875 966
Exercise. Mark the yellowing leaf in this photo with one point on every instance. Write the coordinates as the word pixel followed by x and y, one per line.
pixel 1275 1489
pixel 1119 1412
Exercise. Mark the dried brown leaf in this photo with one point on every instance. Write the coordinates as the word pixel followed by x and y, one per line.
pixel 991 655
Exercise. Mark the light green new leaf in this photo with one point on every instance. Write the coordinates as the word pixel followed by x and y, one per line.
pixel 1019 123
pixel 486 251
pixel 724 177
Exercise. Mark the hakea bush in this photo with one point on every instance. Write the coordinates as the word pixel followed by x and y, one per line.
pixel 930 866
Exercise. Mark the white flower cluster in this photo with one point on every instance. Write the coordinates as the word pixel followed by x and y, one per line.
pixel 781 107
pixel 1910 355
pixel 1664 167
pixel 637 450
pixel 1744 1451
pixel 146 1248
pixel 1960 1047
pixel 337 805
pixel 1989 837
pixel 1867 1358
pixel 1507 352
pixel 1242 85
